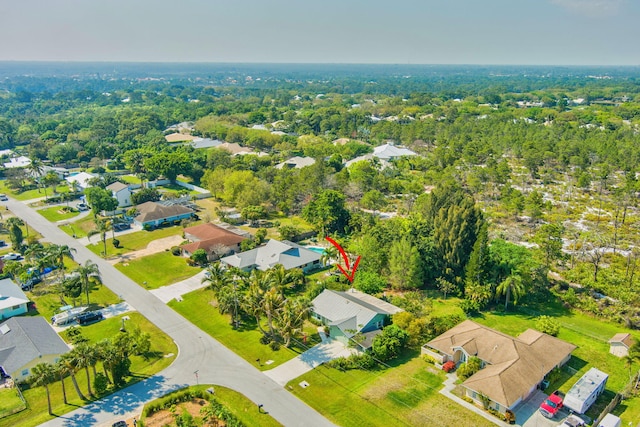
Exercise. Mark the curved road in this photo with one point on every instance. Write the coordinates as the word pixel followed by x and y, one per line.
pixel 198 351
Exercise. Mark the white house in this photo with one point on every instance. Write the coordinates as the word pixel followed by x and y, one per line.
pixel 80 179
pixel 13 301
pixel 18 162
pixel 296 162
pixel 289 254
pixel 120 192
pixel 25 342
pixel 620 344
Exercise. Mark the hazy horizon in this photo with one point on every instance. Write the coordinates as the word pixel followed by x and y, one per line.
pixel 414 32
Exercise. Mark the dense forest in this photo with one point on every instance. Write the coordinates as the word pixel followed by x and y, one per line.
pixel 524 186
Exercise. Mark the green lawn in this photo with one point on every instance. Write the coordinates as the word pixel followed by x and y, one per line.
pixel 10 402
pixel 407 394
pixel 245 341
pixel 54 214
pixel 30 194
pixel 243 408
pixel 132 241
pixel 141 368
pixel 80 228
pixel 157 270
pixel 589 334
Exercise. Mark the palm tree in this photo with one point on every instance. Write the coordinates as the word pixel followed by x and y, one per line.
pixel 102 227
pixel 43 374
pixel 83 355
pixel 291 317
pixel 58 253
pixel 102 349
pixel 69 361
pixel 36 167
pixel 272 304
pixel 62 370
pixel 511 286
pixel 330 253
pixel 89 274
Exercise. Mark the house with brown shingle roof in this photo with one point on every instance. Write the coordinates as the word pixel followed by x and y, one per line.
pixel 512 367
pixel 153 214
pixel 620 344
pixel 216 241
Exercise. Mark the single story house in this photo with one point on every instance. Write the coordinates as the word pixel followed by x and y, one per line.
pixel 13 302
pixel 80 179
pixel 179 137
pixel 512 367
pixel 215 241
pixel 121 192
pixel 289 254
pixel 205 143
pixel 25 342
pixel 234 148
pixel 620 344
pixel 153 214
pixel 296 162
pixel 391 152
pixel 17 162
pixel 350 313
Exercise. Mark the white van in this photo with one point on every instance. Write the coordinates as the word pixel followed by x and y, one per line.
pixel 610 420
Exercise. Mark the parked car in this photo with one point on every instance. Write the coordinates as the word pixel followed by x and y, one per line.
pixel 83 207
pixel 551 405
pixel 89 317
pixel 3 197
pixel 572 421
pixel 29 284
pixel 11 256
pixel 3 243
pixel 119 424
pixel 121 226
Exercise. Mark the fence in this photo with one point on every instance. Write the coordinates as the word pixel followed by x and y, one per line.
pixel 614 402
pixel 17 408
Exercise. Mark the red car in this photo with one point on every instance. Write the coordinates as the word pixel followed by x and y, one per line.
pixel 552 404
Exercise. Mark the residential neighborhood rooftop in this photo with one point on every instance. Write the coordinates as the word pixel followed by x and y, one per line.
pixel 289 254
pixel 11 294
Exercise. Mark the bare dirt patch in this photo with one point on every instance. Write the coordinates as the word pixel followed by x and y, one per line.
pixel 166 418
pixel 155 246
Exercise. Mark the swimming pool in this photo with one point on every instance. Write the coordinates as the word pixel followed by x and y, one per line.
pixel 316 249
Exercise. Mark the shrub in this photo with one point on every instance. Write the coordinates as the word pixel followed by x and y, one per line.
pixel 362 361
pixel 116 243
pixel 100 383
pixel 449 366
pixel 510 417
pixel 275 345
pixel 548 325
pixel 469 368
pixel 176 250
pixel 428 359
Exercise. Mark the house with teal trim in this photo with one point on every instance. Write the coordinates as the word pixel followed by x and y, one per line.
pixel 13 302
pixel 352 313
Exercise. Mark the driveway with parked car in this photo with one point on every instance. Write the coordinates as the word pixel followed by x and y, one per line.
pixel 528 414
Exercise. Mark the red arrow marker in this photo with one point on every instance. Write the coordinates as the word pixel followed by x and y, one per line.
pixel 348 272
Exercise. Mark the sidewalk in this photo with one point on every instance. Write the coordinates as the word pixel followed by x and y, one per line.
pixel 328 350
pixel 175 291
pixel 450 384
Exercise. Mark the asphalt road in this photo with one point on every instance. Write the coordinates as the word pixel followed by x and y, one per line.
pixel 198 352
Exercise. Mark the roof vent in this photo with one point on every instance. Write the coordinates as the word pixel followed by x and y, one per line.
pixel 4 329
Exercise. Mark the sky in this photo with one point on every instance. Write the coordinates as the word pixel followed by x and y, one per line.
pixel 542 32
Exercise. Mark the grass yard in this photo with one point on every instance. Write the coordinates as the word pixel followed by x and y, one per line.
pixel 55 214
pixel 161 345
pixel 245 342
pixel 407 394
pixel 10 402
pixel 132 241
pixel 154 271
pixel 589 334
pixel 80 228
pixel 30 194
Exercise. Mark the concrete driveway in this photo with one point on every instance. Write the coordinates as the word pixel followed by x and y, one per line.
pixel 314 357
pixel 527 414
pixel 175 291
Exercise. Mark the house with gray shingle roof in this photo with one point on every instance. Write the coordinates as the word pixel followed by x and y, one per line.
pixel 25 342
pixel 350 313
pixel 289 254
pixel 296 162
pixel 121 192
pixel 153 214
pixel 13 302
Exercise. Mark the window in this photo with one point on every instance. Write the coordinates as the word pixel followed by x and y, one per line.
pixel 15 307
pixel 24 372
